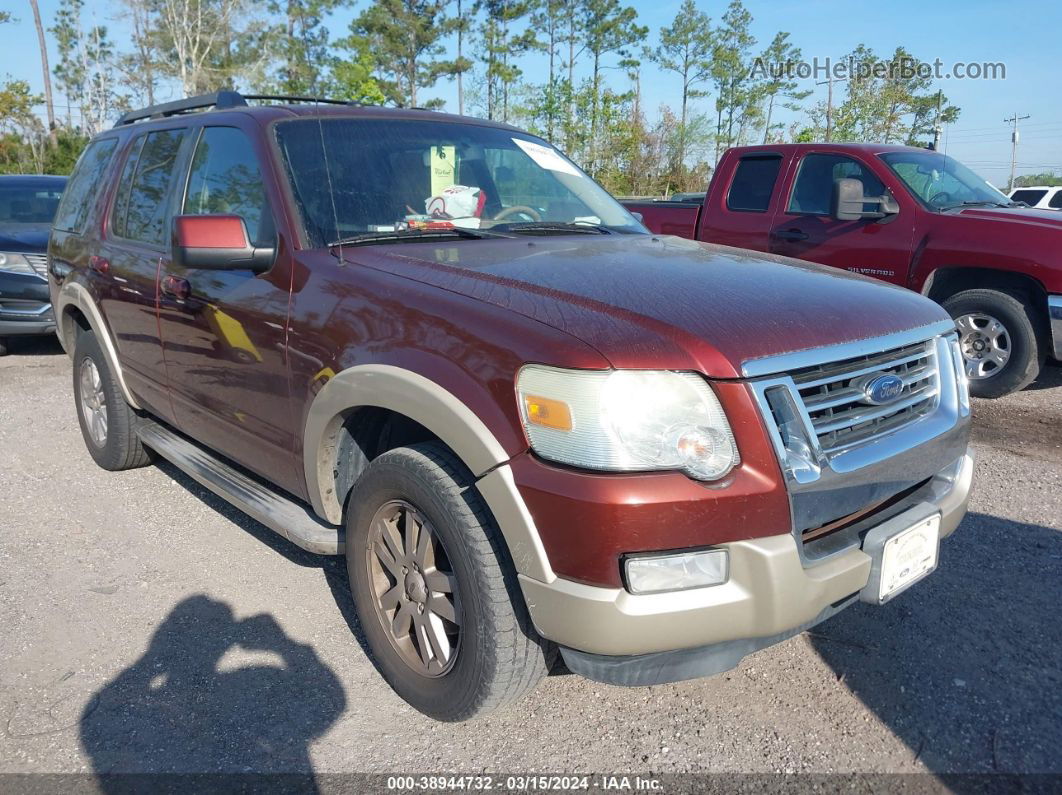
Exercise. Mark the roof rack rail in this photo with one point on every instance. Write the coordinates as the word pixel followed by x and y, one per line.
pixel 315 100
pixel 219 100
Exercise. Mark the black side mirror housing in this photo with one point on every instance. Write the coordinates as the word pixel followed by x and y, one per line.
pixel 848 202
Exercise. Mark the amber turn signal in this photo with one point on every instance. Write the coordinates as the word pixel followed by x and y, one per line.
pixel 548 413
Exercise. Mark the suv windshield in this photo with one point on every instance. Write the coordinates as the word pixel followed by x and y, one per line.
pixel 28 203
pixel 941 182
pixel 369 178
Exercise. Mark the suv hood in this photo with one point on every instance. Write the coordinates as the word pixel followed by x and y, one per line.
pixel 663 302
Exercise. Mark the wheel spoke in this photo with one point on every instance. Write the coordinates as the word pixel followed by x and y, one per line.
pixel 400 624
pixel 383 553
pixel 423 642
pixel 439 581
pixel 409 527
pixel 1000 357
pixel 390 540
pixel 440 644
pixel 392 598
pixel 423 551
pixel 443 607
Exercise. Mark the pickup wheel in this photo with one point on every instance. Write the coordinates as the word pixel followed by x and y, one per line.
pixel 998 338
pixel 108 425
pixel 435 592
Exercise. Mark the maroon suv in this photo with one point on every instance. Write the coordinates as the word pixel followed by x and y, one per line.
pixel 434 345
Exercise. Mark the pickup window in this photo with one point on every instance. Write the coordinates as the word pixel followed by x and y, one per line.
pixel 813 188
pixel 753 184
pixel 941 182
pixel 1056 200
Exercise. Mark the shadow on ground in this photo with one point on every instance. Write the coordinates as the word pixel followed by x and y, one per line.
pixel 181 709
pixel 966 667
pixel 45 345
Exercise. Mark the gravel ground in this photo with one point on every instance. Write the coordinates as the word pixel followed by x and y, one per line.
pixel 147 626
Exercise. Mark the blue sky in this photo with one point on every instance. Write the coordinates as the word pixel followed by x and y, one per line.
pixel 1024 37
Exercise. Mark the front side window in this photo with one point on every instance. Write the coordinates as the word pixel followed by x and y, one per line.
pixel 362 177
pixel 225 180
pixel 83 186
pixel 753 184
pixel 813 189
pixel 142 208
pixel 941 182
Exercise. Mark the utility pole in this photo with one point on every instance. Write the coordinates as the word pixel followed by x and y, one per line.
pixel 1013 146
pixel 829 105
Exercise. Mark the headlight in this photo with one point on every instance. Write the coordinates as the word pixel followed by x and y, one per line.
pixel 626 420
pixel 15 263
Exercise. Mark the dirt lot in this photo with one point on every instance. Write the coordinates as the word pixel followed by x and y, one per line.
pixel 147 626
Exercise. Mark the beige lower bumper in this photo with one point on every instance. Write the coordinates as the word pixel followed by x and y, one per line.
pixel 769 592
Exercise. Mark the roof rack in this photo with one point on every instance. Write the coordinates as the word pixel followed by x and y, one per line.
pixel 219 100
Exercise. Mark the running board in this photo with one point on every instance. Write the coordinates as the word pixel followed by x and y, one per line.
pixel 286 516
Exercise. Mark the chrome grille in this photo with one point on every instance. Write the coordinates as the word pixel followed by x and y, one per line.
pixel 836 403
pixel 39 263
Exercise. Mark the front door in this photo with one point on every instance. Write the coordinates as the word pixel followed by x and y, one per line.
pixel 223 331
pixel 803 227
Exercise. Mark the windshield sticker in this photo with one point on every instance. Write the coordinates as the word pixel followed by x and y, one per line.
pixel 443 168
pixel 546 157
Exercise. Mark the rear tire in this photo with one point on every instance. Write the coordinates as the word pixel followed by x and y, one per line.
pixel 490 655
pixel 108 424
pixel 998 336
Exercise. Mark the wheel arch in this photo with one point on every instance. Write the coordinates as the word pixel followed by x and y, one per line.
pixel 76 310
pixel 945 281
pixel 426 408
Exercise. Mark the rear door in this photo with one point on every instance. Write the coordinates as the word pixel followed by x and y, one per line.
pixel 223 331
pixel 134 249
pixel 803 227
pixel 739 212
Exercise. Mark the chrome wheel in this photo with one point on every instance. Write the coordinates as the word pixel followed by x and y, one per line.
pixel 93 402
pixel 985 345
pixel 414 589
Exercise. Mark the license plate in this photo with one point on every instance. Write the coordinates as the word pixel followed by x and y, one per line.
pixel 908 556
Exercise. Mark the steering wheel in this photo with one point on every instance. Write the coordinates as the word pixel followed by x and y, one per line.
pixel 940 199
pixel 517 208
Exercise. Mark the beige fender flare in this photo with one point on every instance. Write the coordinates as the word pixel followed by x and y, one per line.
pixel 438 410
pixel 75 294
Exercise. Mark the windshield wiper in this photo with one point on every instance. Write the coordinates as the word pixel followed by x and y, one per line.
pixel 413 235
pixel 545 227
pixel 981 203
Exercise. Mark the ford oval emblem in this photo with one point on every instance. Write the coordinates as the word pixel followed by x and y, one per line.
pixel 883 389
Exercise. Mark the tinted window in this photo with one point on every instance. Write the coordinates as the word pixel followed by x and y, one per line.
pixel 225 180
pixel 84 185
pixel 28 201
pixel 939 181
pixel 813 190
pixel 1056 200
pixel 753 184
pixel 143 201
pixel 1030 197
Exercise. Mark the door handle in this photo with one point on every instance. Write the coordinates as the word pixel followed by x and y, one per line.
pixel 176 287
pixel 790 234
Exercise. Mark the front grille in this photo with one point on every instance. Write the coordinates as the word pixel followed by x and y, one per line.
pixel 841 415
pixel 39 263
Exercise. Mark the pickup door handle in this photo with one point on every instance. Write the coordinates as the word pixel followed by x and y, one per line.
pixel 790 234
pixel 176 287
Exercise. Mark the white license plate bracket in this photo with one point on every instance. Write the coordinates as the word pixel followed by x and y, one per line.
pixel 902 551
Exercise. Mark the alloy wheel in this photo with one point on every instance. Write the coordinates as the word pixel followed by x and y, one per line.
pixel 985 345
pixel 93 402
pixel 415 593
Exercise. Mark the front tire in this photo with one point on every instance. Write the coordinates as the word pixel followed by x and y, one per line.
pixel 108 424
pixel 435 592
pixel 999 341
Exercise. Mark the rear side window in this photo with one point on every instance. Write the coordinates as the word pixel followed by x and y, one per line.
pixel 225 180
pixel 813 190
pixel 1056 200
pixel 83 187
pixel 753 184
pixel 141 210
pixel 1030 197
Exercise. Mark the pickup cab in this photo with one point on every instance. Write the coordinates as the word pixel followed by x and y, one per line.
pixel 433 345
pixel 912 217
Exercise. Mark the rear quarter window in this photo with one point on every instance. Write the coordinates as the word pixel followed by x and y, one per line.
pixel 753 184
pixel 146 187
pixel 84 186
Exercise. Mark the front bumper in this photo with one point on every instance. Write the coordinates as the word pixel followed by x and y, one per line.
pixel 614 636
pixel 25 306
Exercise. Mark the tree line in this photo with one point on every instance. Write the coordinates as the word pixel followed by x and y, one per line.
pixel 569 70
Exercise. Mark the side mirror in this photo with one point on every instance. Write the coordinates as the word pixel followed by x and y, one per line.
pixel 219 243
pixel 848 201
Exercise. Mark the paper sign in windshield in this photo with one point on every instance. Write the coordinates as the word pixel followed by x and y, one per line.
pixel 546 157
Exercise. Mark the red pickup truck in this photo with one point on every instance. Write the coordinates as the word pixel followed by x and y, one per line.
pixel 913 217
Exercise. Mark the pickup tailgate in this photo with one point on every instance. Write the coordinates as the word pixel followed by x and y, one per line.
pixel 668 218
